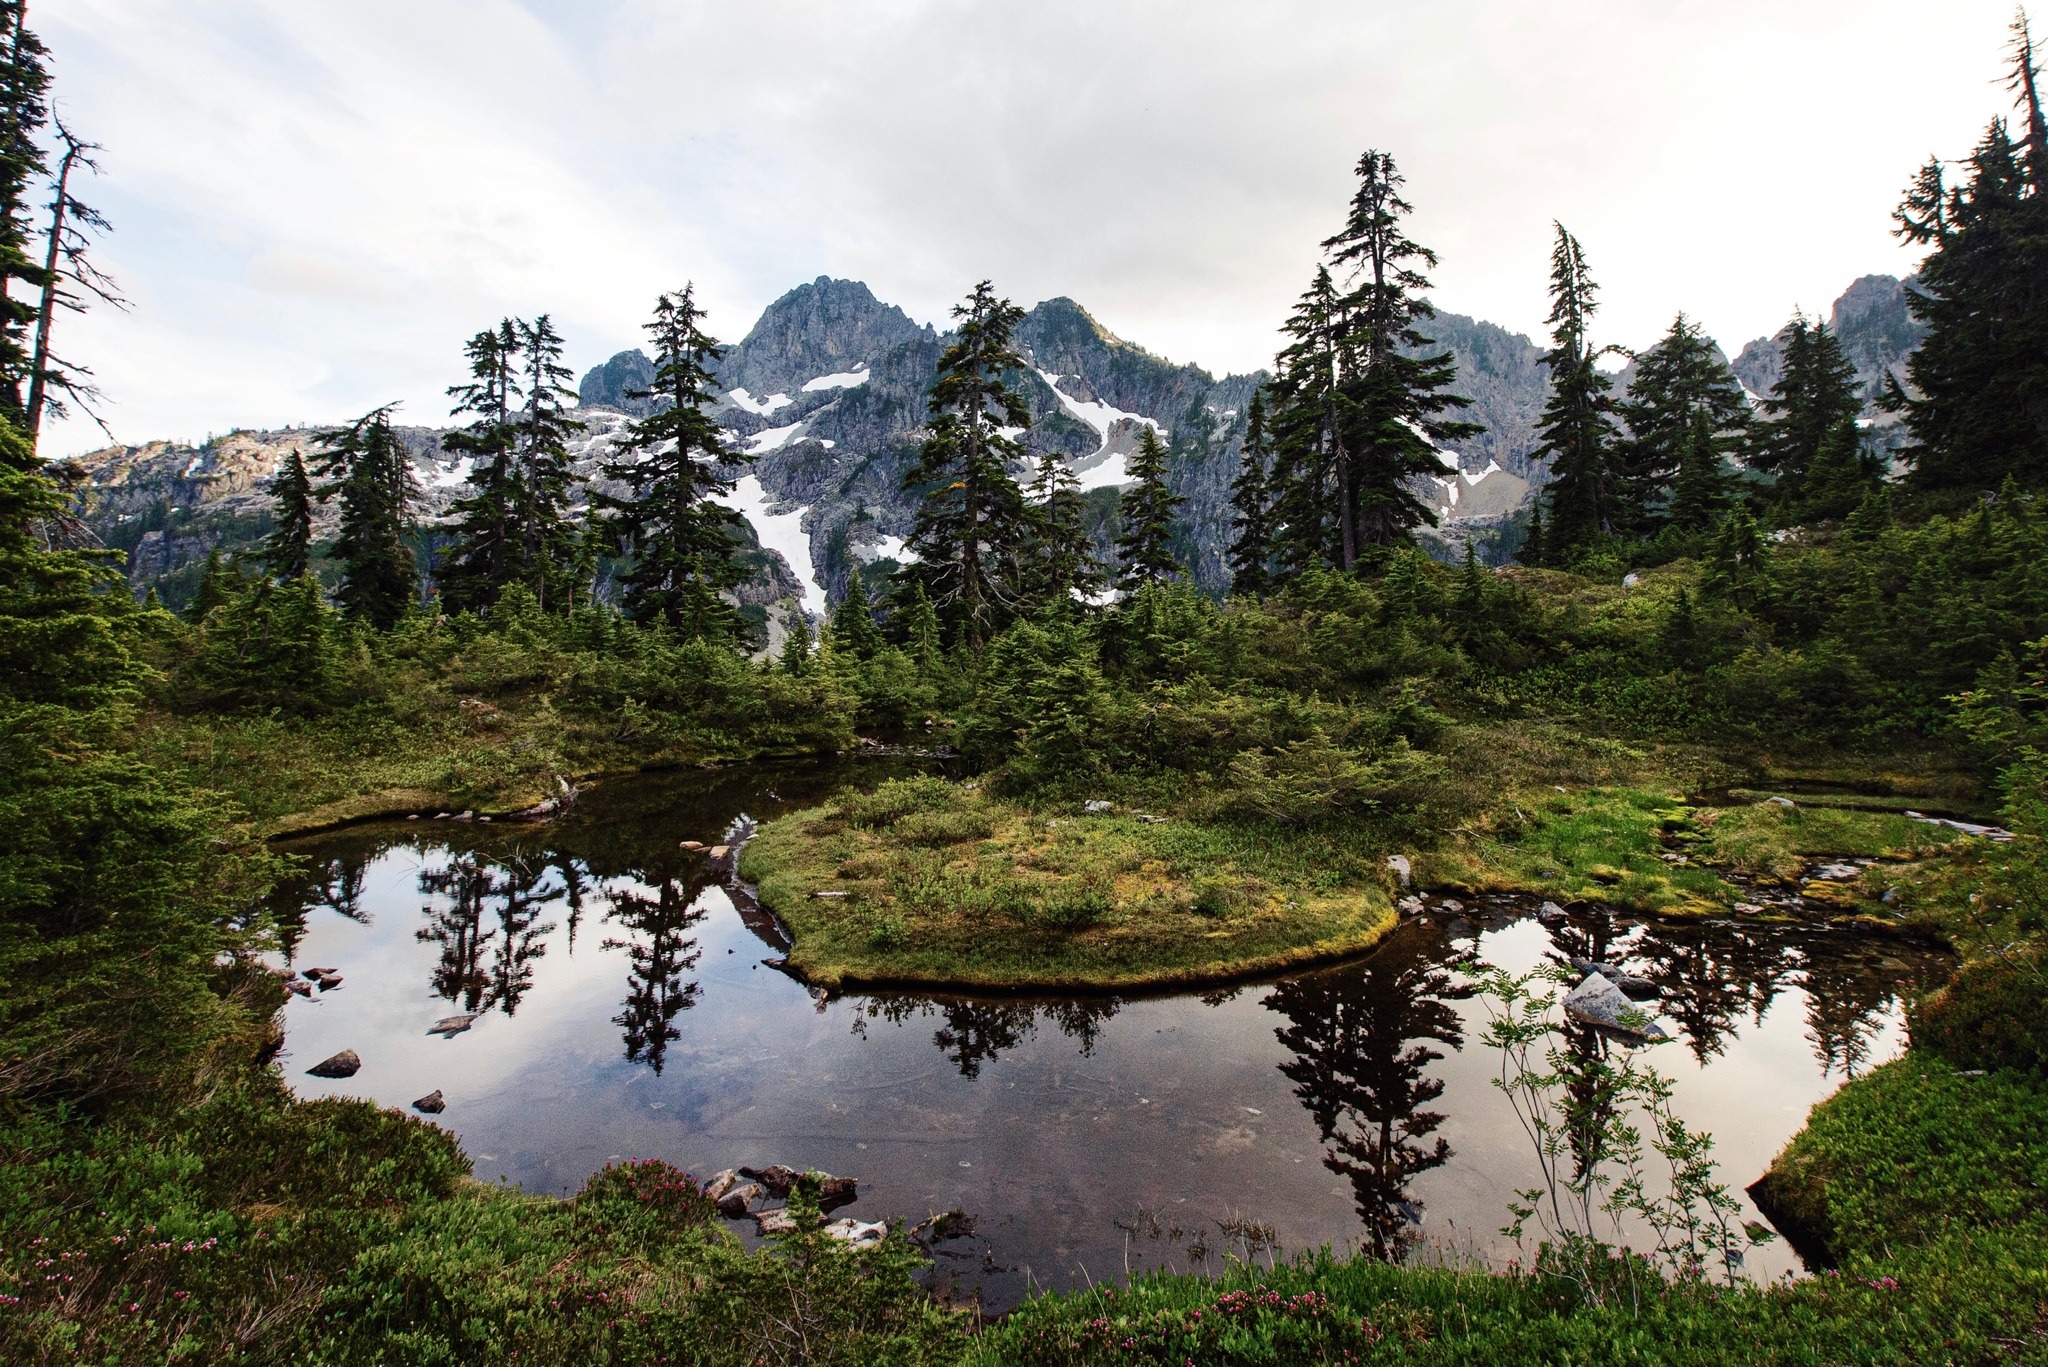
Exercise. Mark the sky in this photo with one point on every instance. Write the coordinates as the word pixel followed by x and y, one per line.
pixel 316 201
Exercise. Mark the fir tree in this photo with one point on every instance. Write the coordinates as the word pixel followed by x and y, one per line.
pixel 547 540
pixel 1532 549
pixel 675 533
pixel 796 643
pixel 1841 476
pixel 921 636
pixel 972 523
pixel 1061 564
pixel 1251 549
pixel 1700 494
pixel 217 588
pixel 854 633
pixel 1736 565
pixel 1975 406
pixel 369 470
pixel 484 556
pixel 1677 381
pixel 1357 405
pixel 1471 585
pixel 1144 546
pixel 287 550
pixel 1578 437
pixel 1813 399
pixel 24 87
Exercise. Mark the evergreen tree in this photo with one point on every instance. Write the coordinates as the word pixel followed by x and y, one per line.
pixel 796 643
pixel 854 633
pixel 1251 550
pixel 1061 565
pixel 677 536
pixel 1841 476
pixel 1700 494
pixel 369 469
pixel 1976 406
pixel 1471 585
pixel 24 110
pixel 1813 399
pixel 217 587
pixel 547 540
pixel 484 556
pixel 1736 566
pixel 1358 407
pixel 921 636
pixel 972 523
pixel 287 551
pixel 1533 549
pixel 1677 381
pixel 1578 437
pixel 1144 546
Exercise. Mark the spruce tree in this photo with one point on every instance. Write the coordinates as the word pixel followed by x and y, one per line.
pixel 547 539
pixel 370 471
pixel 484 556
pixel 1061 564
pixel 921 634
pixel 972 524
pixel 1251 548
pixel 1840 478
pixel 287 550
pixel 1975 406
pixel 1699 496
pixel 24 111
pixel 1533 549
pixel 1578 436
pixel 1676 382
pixel 1357 405
pixel 854 633
pixel 796 643
pixel 676 536
pixel 1144 545
pixel 1813 399
pixel 217 587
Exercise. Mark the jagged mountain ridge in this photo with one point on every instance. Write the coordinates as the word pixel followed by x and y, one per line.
pixel 828 390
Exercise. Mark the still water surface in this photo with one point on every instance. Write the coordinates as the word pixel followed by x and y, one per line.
pixel 623 1011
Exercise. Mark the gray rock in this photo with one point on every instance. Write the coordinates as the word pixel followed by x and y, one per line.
pixel 720 1184
pixel 1550 914
pixel 297 988
pixel 857 1233
pixel 1403 870
pixel 1409 906
pixel 1096 806
pixel 1597 1001
pixel 734 1203
pixel 343 1064
pixel 432 1103
pixel 451 1025
pixel 769 1222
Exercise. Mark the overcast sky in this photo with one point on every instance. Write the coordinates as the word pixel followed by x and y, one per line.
pixel 316 201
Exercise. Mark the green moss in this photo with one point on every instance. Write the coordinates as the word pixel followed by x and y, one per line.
pixel 933 882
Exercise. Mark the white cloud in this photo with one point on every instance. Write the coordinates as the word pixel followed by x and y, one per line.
pixel 315 204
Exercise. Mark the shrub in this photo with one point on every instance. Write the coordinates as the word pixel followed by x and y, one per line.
pixel 899 797
pixel 1994 1014
pixel 1073 907
pixel 943 827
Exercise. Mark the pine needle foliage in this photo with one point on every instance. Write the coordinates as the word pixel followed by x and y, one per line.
pixel 287 552
pixel 1585 491
pixel 367 467
pixel 1144 546
pixel 1251 546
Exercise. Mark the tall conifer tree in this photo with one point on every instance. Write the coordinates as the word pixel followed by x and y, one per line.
pixel 972 525
pixel 1699 495
pixel 677 536
pixel 1676 382
pixel 1061 564
pixel 373 476
pixel 24 110
pixel 547 539
pixel 1813 399
pixel 854 632
pixel 1977 406
pixel 485 555
pixel 1251 547
pixel 1578 436
pixel 288 549
pixel 1144 546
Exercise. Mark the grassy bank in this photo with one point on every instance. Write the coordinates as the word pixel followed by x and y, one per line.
pixel 924 881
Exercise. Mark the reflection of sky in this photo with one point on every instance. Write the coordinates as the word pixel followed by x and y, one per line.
pixel 1180 1107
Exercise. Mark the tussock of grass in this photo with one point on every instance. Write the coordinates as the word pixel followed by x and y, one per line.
pixel 1774 841
pixel 946 884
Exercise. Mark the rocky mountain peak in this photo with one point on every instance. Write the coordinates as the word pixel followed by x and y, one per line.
pixel 823 328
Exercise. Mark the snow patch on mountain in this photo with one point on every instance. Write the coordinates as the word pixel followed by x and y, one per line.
pixel 454 474
pixel 846 379
pixel 782 533
pixel 760 407
pixel 774 439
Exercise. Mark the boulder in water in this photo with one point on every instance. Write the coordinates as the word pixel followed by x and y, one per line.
pixel 857 1233
pixel 774 1222
pixel 1598 1002
pixel 451 1025
pixel 343 1064
pixel 433 1103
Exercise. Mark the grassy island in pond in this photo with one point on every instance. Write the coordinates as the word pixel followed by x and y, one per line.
pixel 926 881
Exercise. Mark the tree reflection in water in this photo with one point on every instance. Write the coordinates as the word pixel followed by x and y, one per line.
pixel 974 1032
pixel 1361 1041
pixel 335 883
pixel 661 953
pixel 483 968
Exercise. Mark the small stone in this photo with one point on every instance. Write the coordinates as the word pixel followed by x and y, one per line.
pixel 1409 906
pixel 297 988
pixel 1403 870
pixel 465 816
pixel 1550 914
pixel 1597 1001
pixel 433 1103
pixel 774 1222
pixel 315 973
pixel 1780 802
pixel 733 1205
pixel 1452 904
pixel 720 1184
pixel 451 1025
pixel 1095 807
pixel 343 1064
pixel 830 892
pixel 720 851
pixel 776 1177
pixel 329 981
pixel 691 845
pixel 857 1233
